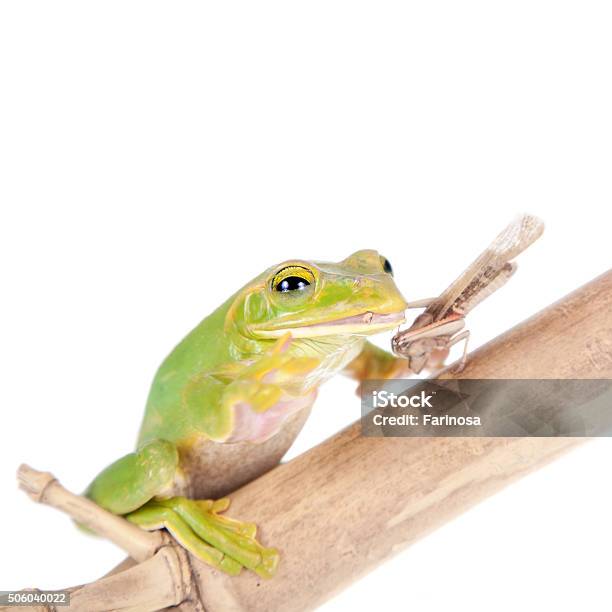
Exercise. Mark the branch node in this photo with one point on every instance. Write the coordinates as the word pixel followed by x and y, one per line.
pixel 34 483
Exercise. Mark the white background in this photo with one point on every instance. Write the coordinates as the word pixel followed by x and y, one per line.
pixel 155 156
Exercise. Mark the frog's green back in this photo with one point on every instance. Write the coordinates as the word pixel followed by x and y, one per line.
pixel 205 348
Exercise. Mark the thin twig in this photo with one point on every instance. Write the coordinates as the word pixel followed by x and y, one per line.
pixel 44 488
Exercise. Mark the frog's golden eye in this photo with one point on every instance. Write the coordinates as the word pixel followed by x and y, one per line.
pixel 292 278
pixel 386 264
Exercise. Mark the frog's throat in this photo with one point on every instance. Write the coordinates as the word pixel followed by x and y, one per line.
pixel 362 324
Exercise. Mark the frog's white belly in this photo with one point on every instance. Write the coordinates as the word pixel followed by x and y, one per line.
pixel 213 469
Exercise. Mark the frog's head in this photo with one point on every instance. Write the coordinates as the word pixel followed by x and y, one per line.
pixel 355 297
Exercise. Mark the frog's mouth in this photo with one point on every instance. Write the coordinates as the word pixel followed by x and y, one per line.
pixel 361 324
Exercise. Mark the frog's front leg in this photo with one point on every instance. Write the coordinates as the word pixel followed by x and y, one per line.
pixel 376 364
pixel 258 399
pixel 135 486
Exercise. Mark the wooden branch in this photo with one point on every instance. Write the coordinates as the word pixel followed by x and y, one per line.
pixel 343 507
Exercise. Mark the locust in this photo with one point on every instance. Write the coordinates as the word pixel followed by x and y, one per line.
pixel 427 342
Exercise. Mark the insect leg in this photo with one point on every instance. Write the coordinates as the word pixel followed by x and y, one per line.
pixel 464 335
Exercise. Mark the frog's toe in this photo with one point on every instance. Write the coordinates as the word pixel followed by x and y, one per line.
pixel 269 562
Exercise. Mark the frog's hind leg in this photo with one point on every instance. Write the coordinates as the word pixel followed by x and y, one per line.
pixel 131 481
pixel 216 540
pixel 154 516
pixel 134 485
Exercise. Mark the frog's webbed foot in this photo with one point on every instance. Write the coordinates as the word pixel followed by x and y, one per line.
pixel 219 541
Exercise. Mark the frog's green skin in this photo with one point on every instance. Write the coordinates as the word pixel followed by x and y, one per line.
pixel 230 398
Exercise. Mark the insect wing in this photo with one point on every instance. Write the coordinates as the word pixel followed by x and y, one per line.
pixel 490 269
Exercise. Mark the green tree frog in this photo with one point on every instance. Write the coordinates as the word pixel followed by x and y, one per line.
pixel 229 400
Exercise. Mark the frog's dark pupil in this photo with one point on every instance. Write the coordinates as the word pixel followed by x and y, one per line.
pixel 387 267
pixel 292 283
